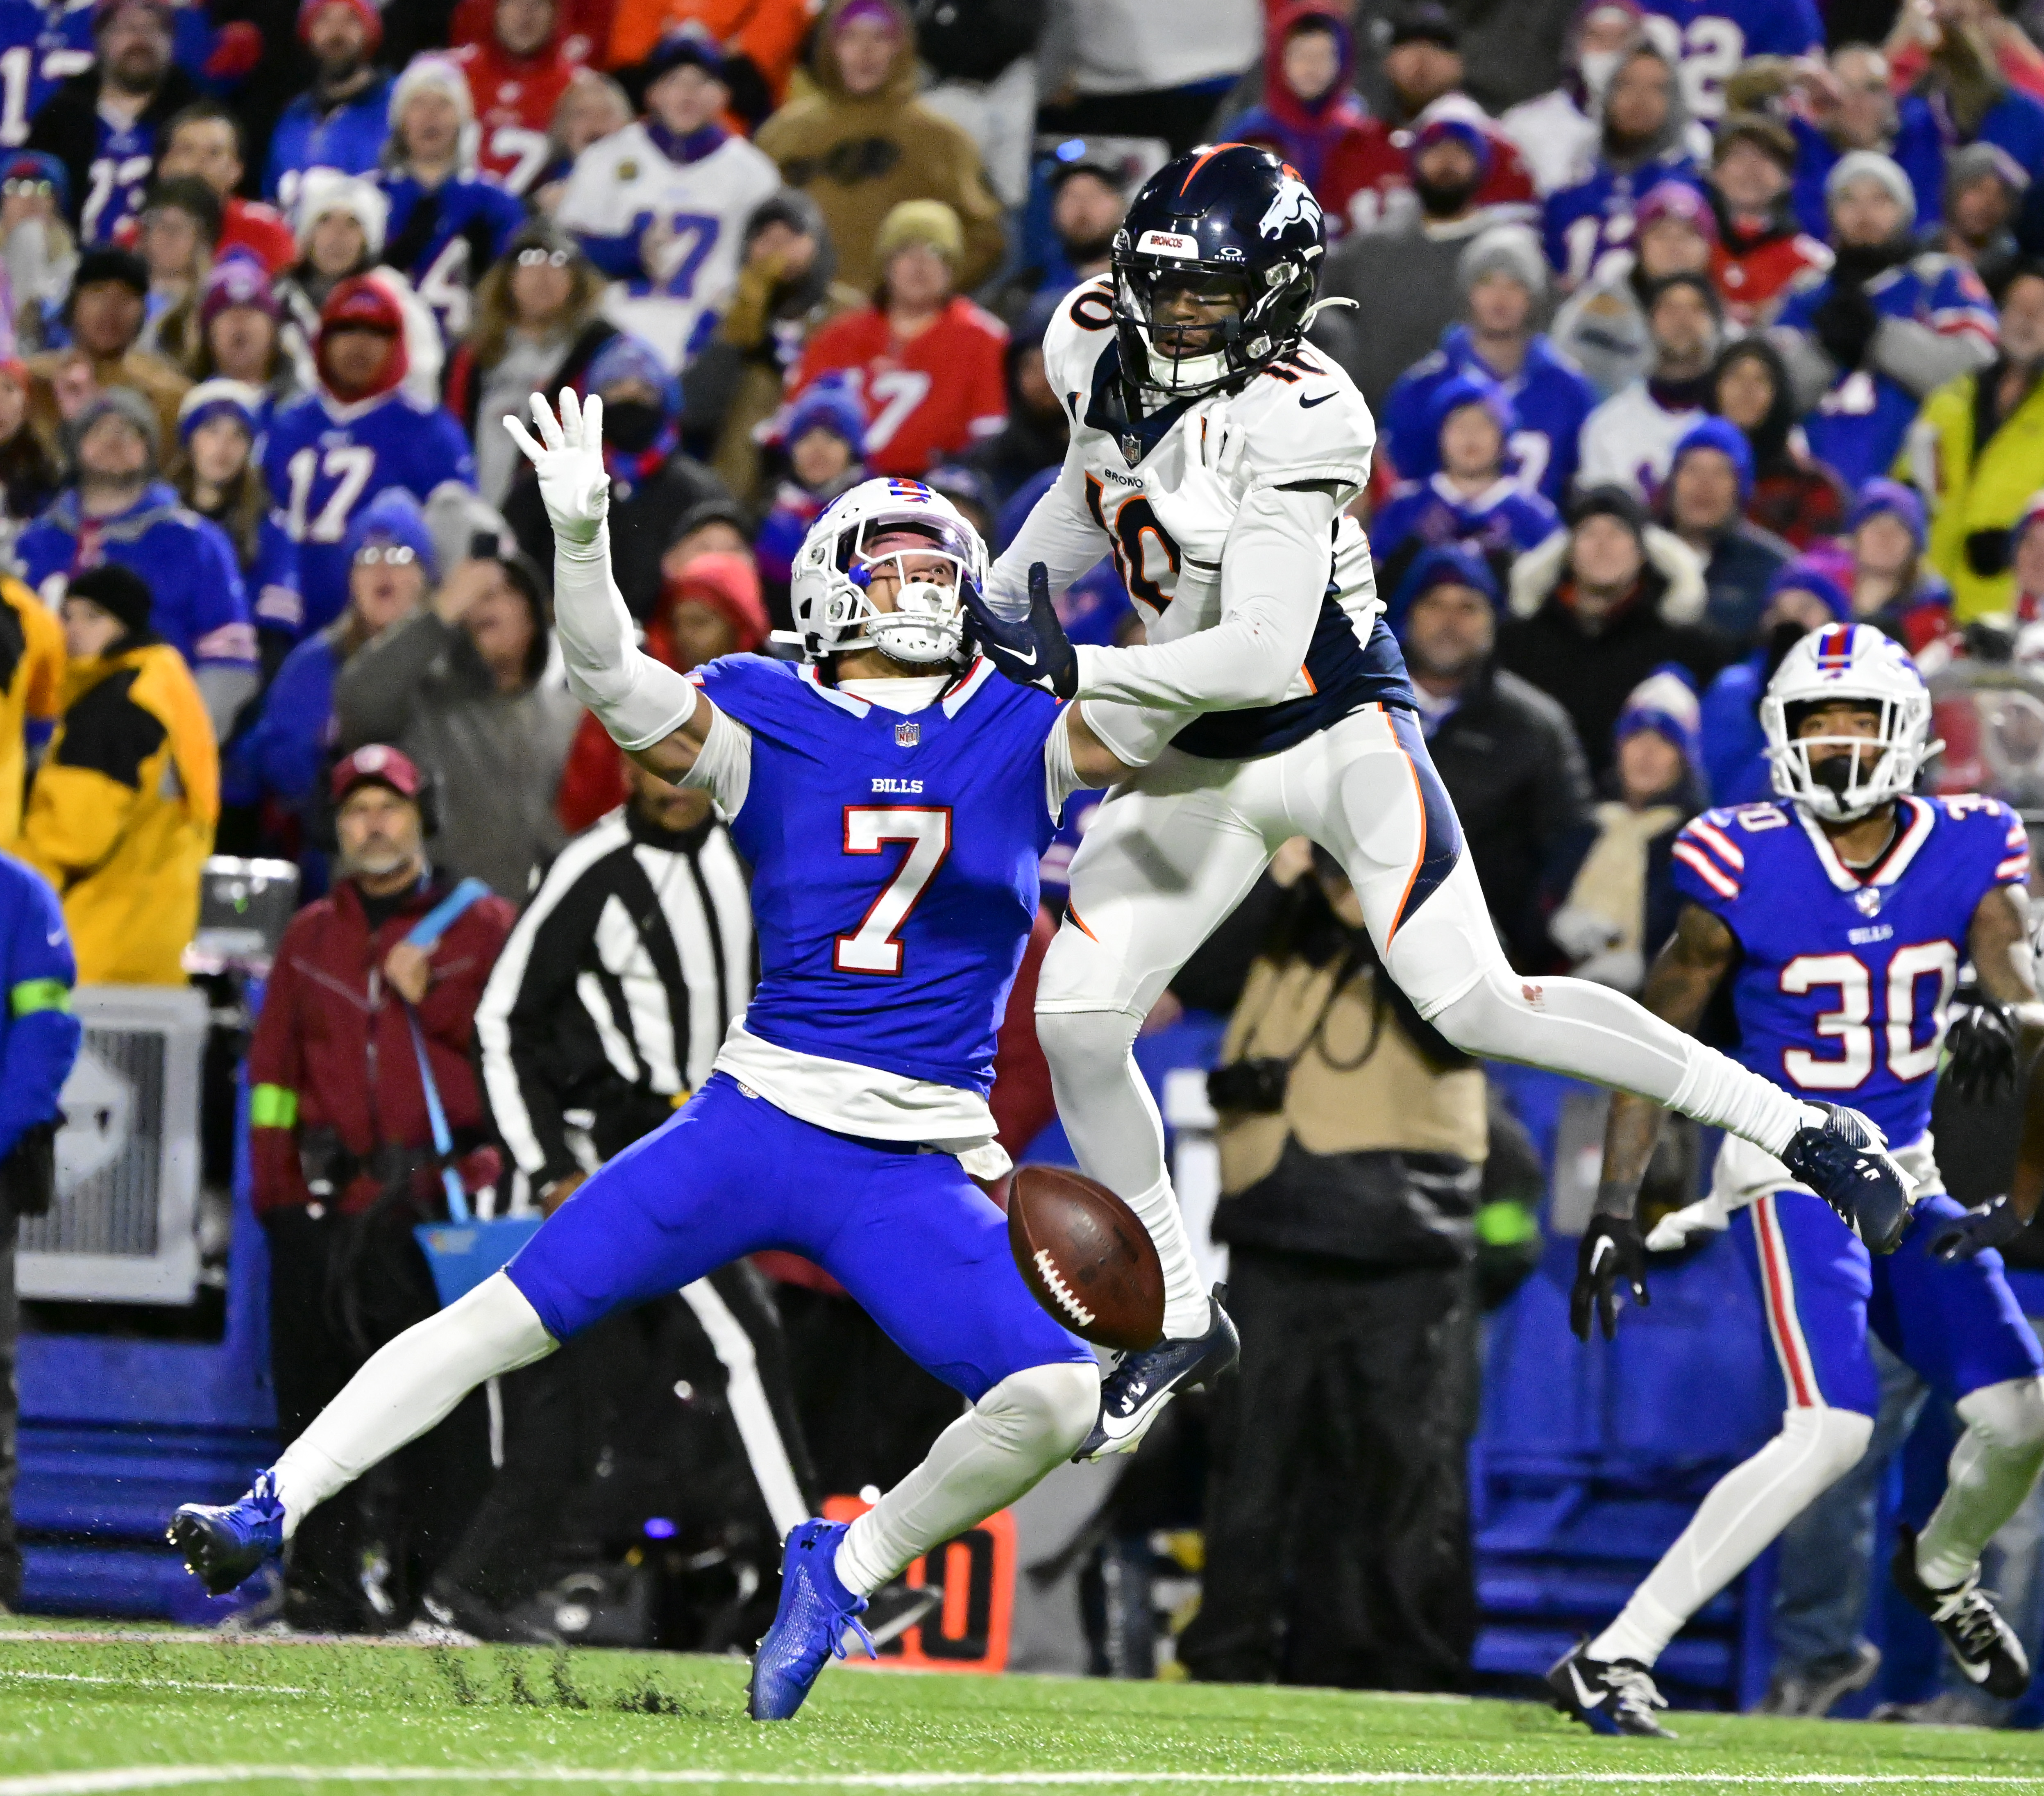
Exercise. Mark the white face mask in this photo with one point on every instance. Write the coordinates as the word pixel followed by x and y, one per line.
pixel 1598 67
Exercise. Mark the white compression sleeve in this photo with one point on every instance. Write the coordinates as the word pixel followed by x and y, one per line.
pixel 639 700
pixel 410 1385
pixel 1026 1425
pixel 724 764
pixel 1745 1510
pixel 1990 1472
pixel 1059 532
pixel 1274 568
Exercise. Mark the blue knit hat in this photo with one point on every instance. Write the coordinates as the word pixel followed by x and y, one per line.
pixel 1445 564
pixel 1465 389
pixel 1728 439
pixel 626 357
pixel 1900 503
pixel 1666 702
pixel 393 516
pixel 1803 575
pixel 827 405
pixel 220 398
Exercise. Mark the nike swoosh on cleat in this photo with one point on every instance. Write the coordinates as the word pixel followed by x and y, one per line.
pixel 1308 404
pixel 1582 1691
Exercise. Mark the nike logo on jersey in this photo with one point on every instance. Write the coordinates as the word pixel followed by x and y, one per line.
pixel 1308 404
pixel 1583 1692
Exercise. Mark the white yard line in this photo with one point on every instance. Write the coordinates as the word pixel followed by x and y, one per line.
pixel 158 1777
pixel 154 1683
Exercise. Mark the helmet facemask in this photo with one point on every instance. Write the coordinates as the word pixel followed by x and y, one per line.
pixel 1842 778
pixel 926 627
pixel 1186 359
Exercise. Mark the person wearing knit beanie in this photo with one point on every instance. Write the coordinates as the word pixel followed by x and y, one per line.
pixel 124 595
pixel 1710 480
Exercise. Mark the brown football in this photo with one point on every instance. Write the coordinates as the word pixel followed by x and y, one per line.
pixel 1086 1257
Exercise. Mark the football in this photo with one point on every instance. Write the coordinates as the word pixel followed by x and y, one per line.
pixel 1086 1256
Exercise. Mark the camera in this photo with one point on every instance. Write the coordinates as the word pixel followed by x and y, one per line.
pixel 1254 1085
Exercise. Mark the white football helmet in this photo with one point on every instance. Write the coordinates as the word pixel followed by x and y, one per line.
pixel 834 565
pixel 1852 662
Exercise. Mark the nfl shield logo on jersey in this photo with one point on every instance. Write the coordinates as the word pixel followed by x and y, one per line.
pixel 1868 898
pixel 907 735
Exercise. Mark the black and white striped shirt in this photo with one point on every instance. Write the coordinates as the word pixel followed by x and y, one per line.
pixel 617 985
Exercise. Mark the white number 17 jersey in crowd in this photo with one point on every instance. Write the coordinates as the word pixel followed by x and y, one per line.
pixel 1167 517
pixel 627 182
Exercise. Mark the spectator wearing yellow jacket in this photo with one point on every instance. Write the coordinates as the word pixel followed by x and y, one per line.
pixel 1977 453
pixel 121 814
pixel 32 673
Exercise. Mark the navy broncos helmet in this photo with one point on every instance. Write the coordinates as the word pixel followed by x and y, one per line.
pixel 1224 215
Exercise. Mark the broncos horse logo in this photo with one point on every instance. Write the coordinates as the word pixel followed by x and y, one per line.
pixel 1294 203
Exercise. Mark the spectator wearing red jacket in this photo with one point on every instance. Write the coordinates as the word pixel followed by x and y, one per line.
pixel 712 607
pixel 515 76
pixel 925 363
pixel 1311 115
pixel 341 1148
pixel 205 140
pixel 1761 255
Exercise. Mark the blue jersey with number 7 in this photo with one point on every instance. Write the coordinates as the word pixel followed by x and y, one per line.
pixel 894 864
pixel 1844 974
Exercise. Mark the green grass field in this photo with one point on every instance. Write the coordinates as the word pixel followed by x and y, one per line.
pixel 111 1710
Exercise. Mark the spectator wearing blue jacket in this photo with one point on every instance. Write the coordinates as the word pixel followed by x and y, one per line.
pixel 340 121
pixel 219 424
pixel 120 511
pixel 1710 479
pixel 1471 498
pixel 1802 597
pixel 1504 283
pixel 273 768
pixel 39 1041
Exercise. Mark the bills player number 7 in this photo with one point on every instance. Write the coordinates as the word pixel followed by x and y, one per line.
pixel 874 946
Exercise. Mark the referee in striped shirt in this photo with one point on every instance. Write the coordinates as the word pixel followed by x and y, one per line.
pixel 604 1011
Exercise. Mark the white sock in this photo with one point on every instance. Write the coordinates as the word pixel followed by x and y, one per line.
pixel 1991 1470
pixel 1745 1510
pixel 1112 1124
pixel 1026 1424
pixel 409 1385
pixel 1591 1031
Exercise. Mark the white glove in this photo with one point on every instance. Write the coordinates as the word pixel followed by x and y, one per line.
pixel 569 460
pixel 1674 1230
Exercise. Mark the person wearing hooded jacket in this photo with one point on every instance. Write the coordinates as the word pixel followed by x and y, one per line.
pixel 787 291
pixel 120 511
pixel 1793 495
pixel 861 143
pixel 1597 608
pixel 457 686
pixel 653 482
pixel 120 817
pixel 359 433
pixel 1310 114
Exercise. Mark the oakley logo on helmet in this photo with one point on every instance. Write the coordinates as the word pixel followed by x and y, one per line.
pixel 1168 243
pixel 1294 202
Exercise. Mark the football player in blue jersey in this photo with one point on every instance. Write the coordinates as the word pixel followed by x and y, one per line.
pixel 893 799
pixel 1216 455
pixel 1841 915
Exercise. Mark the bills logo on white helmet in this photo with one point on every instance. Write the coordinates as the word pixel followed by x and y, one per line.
pixel 1294 202
pixel 907 531
pixel 1839 773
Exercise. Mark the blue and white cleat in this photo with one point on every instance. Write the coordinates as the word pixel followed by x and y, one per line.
pixel 1845 1160
pixel 1134 1393
pixel 225 1544
pixel 815 1612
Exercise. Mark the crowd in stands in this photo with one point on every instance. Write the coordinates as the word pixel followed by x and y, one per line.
pixel 1689 326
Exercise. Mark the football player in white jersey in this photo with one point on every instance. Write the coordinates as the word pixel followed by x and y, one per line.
pixel 1215 453
pixel 660 206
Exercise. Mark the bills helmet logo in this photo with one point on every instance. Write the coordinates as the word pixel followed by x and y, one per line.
pixel 1294 203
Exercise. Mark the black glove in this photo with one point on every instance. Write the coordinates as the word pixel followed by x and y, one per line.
pixel 1611 1253
pixel 1845 324
pixel 1034 651
pixel 1981 1062
pixel 1993 1224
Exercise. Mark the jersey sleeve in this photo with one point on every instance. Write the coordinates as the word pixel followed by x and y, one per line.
pixel 1994 838
pixel 448 455
pixel 1079 331
pixel 1313 424
pixel 223 633
pixel 1709 864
